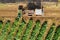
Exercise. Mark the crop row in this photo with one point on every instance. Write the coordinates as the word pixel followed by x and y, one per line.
pixel 28 30
pixel 35 30
pixel 42 31
pixel 57 34
pixel 20 30
pixel 51 32
pixel 23 31
pixel 14 27
pixel 5 30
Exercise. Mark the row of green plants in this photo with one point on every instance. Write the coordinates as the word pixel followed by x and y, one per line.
pixel 1 24
pixel 51 32
pixel 5 30
pixel 42 31
pixel 8 30
pixel 36 34
pixel 57 34
pixel 15 25
pixel 20 30
pixel 28 30
pixel 25 31
pixel 12 30
pixel 35 30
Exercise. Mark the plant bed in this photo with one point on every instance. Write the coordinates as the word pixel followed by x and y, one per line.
pixel 57 33
pixel 5 30
pixel 28 30
pixel 20 30
pixel 35 30
pixel 51 32
pixel 1 24
pixel 42 31
pixel 11 33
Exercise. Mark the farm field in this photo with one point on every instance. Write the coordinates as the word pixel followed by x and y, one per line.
pixel 28 27
pixel 33 30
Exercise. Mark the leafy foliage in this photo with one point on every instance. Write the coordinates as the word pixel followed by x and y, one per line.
pixel 42 31
pixel 35 30
pixel 50 33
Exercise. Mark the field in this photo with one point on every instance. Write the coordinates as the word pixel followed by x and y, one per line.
pixel 31 30
pixel 28 28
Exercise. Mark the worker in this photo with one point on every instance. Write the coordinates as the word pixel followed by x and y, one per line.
pixel 39 9
pixel 31 8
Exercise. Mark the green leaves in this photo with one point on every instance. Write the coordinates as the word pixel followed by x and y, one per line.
pixel 27 32
pixel 19 13
pixel 35 31
pixel 50 33
pixel 57 33
pixel 20 30
pixel 7 24
pixel 42 31
pixel 9 31
pixel 1 24
pixel 10 35
pixel 5 29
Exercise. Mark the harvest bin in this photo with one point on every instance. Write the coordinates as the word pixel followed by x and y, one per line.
pixel 24 27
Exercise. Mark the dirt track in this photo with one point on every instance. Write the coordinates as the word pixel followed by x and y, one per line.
pixel 8 10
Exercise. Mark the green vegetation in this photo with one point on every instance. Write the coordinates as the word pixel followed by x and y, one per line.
pixel 35 30
pixel 19 13
pixel 1 24
pixel 27 32
pixel 5 30
pixel 20 30
pixel 42 31
pixel 14 25
pixel 57 33
pixel 51 32
pixel 11 33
